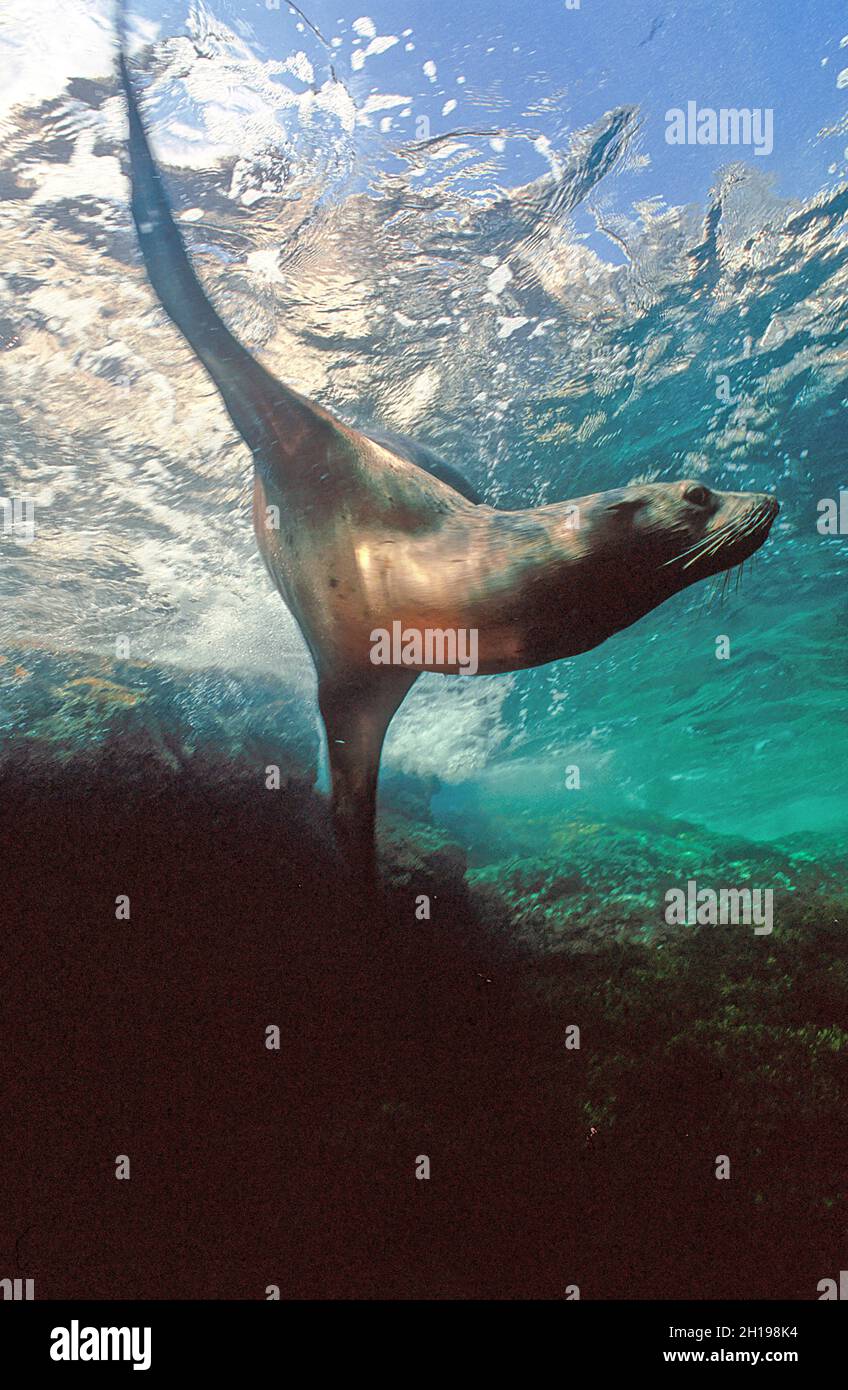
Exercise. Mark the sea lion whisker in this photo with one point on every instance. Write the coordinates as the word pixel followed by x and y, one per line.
pixel 723 589
pixel 690 551
pixel 709 541
pixel 713 597
pixel 731 534
pixel 713 548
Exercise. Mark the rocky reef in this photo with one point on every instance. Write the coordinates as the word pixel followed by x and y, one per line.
pixel 572 1068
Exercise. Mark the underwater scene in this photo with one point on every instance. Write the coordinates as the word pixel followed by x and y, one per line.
pixel 522 323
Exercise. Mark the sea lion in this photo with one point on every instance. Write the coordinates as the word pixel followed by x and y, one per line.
pixel 358 537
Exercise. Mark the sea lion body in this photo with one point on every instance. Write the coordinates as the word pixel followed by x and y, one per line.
pixel 535 586
pixel 361 532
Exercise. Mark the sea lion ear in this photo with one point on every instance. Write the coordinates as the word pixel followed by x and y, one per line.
pixel 628 505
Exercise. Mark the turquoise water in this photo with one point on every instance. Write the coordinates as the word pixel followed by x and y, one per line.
pixel 463 224
pixel 506 259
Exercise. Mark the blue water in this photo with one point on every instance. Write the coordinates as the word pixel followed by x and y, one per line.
pixel 531 279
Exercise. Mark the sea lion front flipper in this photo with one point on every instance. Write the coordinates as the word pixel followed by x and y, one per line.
pixel 422 456
pixel 357 711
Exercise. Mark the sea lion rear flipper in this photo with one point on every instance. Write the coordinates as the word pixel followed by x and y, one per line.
pixel 274 421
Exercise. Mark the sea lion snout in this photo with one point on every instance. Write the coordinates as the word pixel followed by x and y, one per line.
pixel 674 534
pixel 724 529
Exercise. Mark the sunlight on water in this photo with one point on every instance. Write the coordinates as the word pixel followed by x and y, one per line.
pixel 516 292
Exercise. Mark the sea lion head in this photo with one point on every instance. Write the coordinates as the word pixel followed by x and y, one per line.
pixel 651 540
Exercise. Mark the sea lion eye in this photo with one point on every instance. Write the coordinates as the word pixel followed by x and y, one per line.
pixel 697 495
